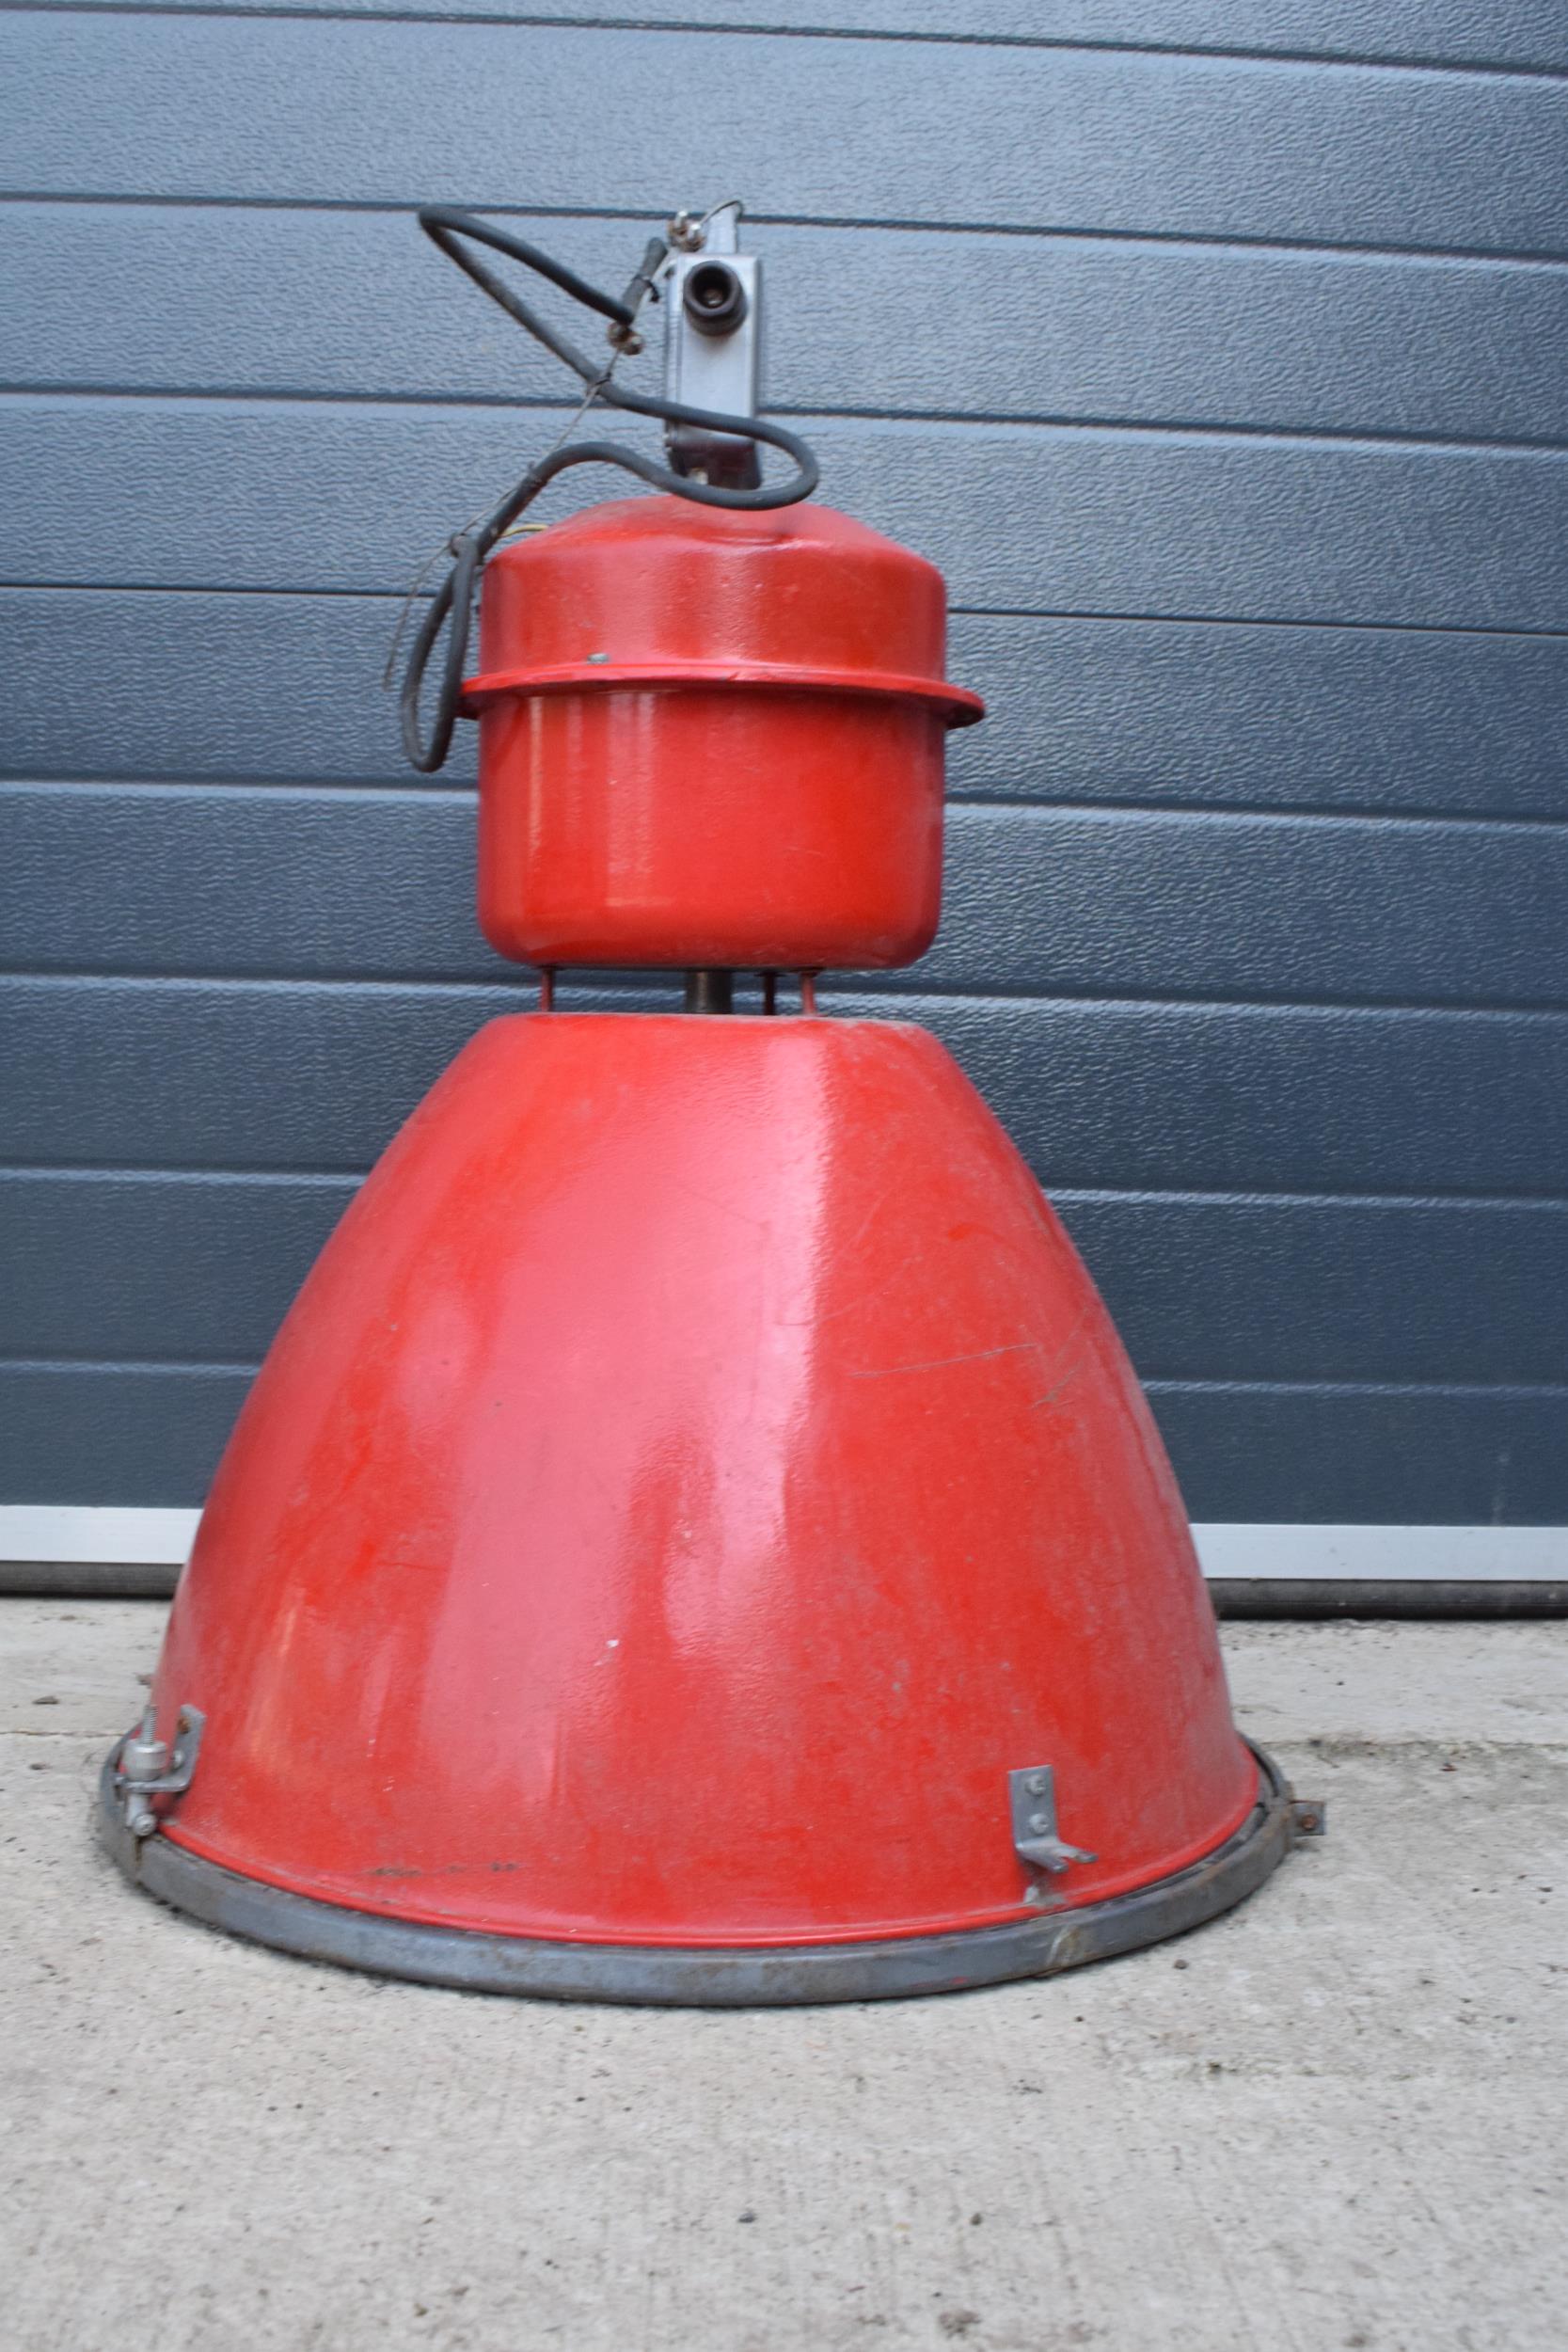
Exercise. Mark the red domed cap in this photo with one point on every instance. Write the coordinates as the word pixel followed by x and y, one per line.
pixel 711 737
pixel 649 590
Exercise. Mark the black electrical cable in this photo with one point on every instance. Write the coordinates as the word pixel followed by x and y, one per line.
pixel 452 606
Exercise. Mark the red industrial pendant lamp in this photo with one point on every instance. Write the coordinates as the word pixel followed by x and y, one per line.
pixel 697 1536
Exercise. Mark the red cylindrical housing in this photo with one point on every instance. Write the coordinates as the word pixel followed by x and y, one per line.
pixel 711 737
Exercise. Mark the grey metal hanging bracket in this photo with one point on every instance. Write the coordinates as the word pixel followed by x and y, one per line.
pixel 1032 1794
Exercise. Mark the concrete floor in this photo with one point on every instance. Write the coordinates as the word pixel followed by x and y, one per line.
pixel 1334 2119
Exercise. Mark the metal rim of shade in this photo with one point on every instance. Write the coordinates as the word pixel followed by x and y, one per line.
pixel 713 1976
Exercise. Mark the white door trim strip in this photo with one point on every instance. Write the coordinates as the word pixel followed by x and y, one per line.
pixel 1305 1553
pixel 43 1533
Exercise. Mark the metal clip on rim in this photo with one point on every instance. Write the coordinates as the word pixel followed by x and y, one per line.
pixel 143 1767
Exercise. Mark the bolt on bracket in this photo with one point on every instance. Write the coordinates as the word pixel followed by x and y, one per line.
pixel 146 1766
pixel 1308 1817
pixel 1032 1794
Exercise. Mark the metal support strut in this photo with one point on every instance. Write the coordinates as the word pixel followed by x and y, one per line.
pixel 710 992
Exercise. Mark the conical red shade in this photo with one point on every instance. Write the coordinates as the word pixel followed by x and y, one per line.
pixel 697 1474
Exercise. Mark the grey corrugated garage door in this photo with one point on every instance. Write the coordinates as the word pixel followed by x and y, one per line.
pixel 1219 353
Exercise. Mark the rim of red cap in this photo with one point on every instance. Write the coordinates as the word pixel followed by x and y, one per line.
pixel 954 704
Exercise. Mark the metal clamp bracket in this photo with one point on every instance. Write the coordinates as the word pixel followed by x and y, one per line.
pixel 146 1766
pixel 713 300
pixel 1032 1794
pixel 1308 1817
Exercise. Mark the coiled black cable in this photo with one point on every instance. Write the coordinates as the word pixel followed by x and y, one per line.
pixel 452 606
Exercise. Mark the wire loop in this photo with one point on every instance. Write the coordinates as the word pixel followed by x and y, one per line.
pixel 451 607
